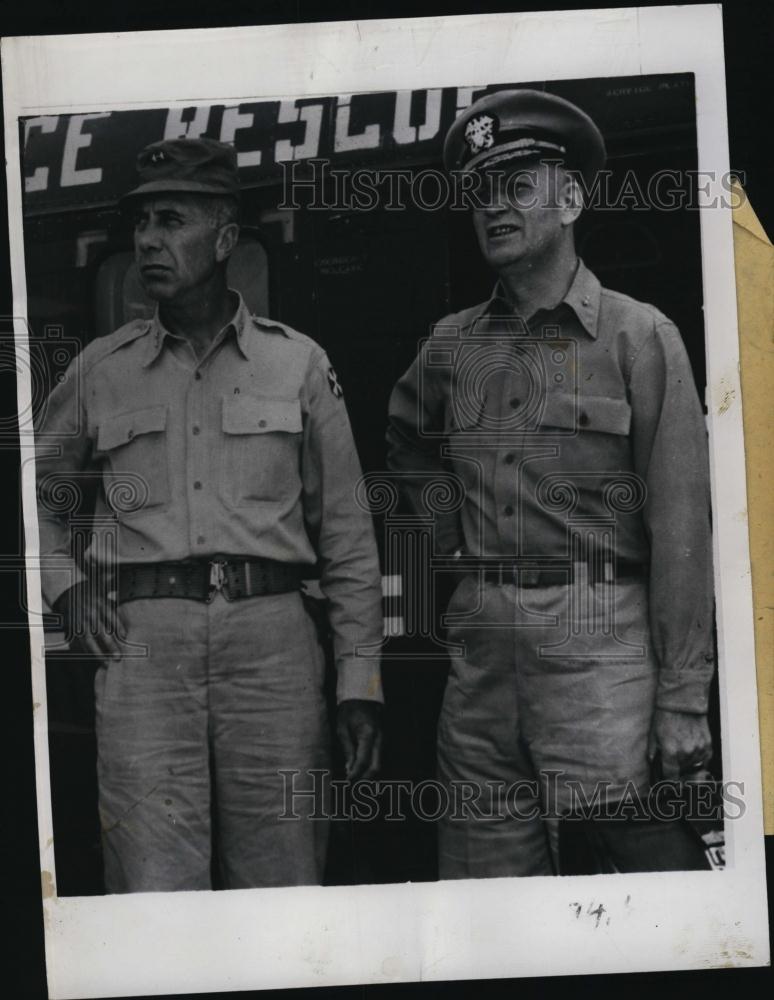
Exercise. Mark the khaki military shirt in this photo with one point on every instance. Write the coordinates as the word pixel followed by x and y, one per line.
pixel 583 419
pixel 246 452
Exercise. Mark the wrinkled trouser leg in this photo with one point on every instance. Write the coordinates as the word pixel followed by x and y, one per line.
pixel 480 748
pixel 229 694
pixel 152 752
pixel 555 692
pixel 268 716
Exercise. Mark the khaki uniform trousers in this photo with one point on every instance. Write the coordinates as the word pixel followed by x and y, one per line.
pixel 228 695
pixel 551 701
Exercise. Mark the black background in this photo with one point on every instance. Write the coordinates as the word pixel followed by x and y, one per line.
pixel 748 37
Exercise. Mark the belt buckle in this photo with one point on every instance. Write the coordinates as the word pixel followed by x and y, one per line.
pixel 529 576
pixel 217 578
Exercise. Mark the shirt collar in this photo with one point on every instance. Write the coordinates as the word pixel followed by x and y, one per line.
pixel 241 322
pixel 583 297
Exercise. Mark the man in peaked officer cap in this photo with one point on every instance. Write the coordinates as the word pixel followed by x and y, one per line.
pixel 518 126
pixel 583 615
pixel 227 473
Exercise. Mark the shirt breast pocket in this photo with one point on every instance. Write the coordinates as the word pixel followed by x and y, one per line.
pixel 571 415
pixel 136 460
pixel 261 449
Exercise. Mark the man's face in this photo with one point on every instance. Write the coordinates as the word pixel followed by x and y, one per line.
pixel 524 215
pixel 176 245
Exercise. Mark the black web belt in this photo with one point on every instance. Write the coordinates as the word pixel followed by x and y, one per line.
pixel 202 579
pixel 525 575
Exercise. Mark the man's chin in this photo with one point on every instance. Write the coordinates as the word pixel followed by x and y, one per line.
pixel 500 257
pixel 157 289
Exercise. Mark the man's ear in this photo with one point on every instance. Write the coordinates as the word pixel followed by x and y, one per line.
pixel 228 237
pixel 570 199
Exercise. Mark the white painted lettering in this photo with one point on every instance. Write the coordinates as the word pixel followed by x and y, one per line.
pixel 311 114
pixel 405 133
pixel 465 97
pixel 75 141
pixel 176 128
pixel 367 139
pixel 38 179
pixel 234 121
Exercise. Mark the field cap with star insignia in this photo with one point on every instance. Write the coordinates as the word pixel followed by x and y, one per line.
pixel 512 125
pixel 193 166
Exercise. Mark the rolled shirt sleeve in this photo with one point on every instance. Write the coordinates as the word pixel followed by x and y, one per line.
pixel 341 531
pixel 670 453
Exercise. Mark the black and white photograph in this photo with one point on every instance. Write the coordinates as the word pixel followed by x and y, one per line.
pixel 382 460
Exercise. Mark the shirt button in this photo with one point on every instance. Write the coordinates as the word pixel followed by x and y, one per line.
pixel 515 402
pixel 583 419
pixel 197 376
pixel 261 423
pixel 200 539
pixel 510 458
pixel 508 510
pixel 197 485
pixel 196 428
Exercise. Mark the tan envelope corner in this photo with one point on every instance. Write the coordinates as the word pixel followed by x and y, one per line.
pixel 754 263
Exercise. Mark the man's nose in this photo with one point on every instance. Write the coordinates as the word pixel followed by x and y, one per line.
pixel 494 204
pixel 492 196
pixel 147 237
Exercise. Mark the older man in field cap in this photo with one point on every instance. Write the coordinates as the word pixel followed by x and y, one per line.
pixel 227 473
pixel 584 609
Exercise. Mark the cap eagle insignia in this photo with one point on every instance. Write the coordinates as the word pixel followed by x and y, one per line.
pixel 479 133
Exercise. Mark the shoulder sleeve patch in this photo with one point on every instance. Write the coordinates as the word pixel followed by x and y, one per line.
pixel 333 383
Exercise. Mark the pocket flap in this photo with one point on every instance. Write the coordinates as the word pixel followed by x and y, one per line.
pixel 604 414
pixel 121 429
pixel 259 415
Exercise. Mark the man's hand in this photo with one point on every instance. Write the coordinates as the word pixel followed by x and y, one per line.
pixel 90 622
pixel 684 741
pixel 359 728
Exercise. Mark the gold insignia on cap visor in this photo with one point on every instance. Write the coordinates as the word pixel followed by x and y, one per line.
pixel 519 147
pixel 520 123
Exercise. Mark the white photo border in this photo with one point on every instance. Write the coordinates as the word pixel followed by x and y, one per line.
pixel 218 941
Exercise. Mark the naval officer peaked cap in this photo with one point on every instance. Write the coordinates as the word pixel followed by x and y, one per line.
pixel 194 166
pixel 509 125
